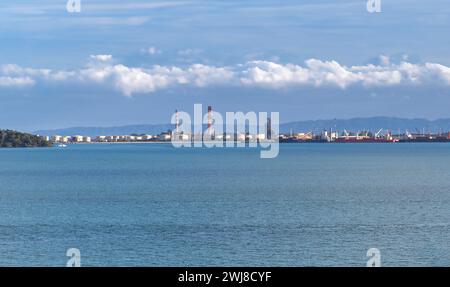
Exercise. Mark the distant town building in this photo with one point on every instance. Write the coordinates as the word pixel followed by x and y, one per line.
pixel 56 138
pixel 147 137
pixel 166 136
pixel 77 139
pixel 241 137
pixel 304 136
pixel 261 137
pixel 101 139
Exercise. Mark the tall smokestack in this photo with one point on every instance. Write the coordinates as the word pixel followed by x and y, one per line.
pixel 269 128
pixel 209 117
pixel 210 122
pixel 176 121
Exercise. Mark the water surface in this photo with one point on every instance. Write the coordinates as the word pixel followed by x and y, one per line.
pixel 154 205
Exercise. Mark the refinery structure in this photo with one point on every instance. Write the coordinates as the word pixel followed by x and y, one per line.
pixel 208 133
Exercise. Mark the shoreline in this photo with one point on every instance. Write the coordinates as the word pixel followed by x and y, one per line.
pixel 280 142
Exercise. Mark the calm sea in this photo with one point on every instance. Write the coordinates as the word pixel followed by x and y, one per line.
pixel 154 205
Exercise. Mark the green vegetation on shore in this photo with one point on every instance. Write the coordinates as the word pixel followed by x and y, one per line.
pixel 9 138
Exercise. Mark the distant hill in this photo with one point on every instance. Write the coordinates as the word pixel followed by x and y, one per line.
pixel 355 124
pixel 10 138
pixel 120 130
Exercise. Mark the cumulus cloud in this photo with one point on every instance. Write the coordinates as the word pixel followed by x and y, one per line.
pixel 102 58
pixel 440 71
pixel 203 75
pixel 16 70
pixel 266 74
pixel 330 73
pixel 131 80
pixel 16 81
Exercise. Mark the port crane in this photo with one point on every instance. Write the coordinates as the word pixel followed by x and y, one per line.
pixel 377 134
pixel 346 134
pixel 408 134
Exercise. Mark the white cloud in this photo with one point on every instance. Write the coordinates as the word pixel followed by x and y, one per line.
pixel 131 80
pixel 16 81
pixel 102 58
pixel 203 75
pixel 136 80
pixel 440 71
pixel 330 73
pixel 271 74
pixel 15 70
pixel 266 74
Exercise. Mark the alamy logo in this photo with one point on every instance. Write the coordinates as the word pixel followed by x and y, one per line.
pixel 73 6
pixel 374 6
pixel 241 130
pixel 375 257
pixel 75 257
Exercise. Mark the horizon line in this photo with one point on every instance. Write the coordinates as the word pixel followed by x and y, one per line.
pixel 281 123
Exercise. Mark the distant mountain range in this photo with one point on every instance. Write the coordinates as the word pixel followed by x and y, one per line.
pixel 355 124
pixel 151 129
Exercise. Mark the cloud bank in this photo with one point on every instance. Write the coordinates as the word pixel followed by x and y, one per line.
pixel 263 74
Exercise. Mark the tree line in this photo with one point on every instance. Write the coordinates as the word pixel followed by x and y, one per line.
pixel 10 138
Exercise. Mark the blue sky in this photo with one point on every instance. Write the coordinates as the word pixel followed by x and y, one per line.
pixel 127 62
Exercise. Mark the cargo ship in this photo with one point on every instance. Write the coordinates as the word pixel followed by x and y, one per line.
pixel 364 140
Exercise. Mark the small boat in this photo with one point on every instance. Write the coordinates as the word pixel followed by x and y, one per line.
pixel 61 145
